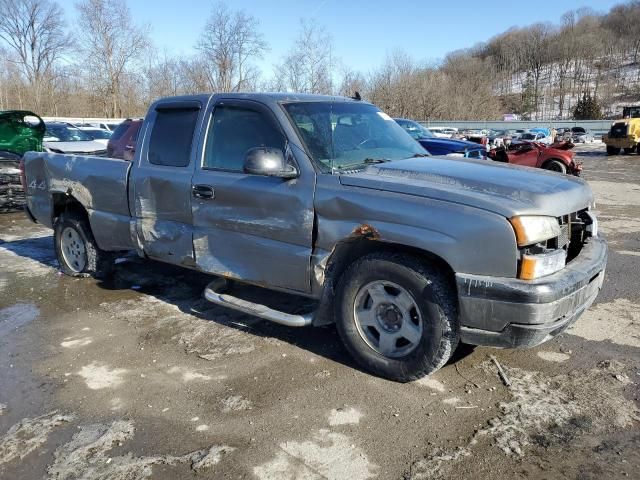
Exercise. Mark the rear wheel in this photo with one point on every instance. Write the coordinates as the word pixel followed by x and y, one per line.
pixel 76 249
pixel 555 166
pixel 629 151
pixel 613 150
pixel 397 316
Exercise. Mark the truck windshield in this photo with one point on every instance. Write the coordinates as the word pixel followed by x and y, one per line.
pixel 349 135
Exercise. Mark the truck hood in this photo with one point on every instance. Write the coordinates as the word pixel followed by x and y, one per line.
pixel 84 147
pixel 507 190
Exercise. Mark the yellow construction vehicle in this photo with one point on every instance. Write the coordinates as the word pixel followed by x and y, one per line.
pixel 624 133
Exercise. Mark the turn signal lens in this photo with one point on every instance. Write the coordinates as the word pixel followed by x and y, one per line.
pixel 536 266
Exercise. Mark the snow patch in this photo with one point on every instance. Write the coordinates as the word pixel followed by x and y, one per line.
pixel 628 252
pixel 431 383
pixel 328 455
pixel 191 375
pixel 554 356
pixel 28 435
pixel 539 406
pixel 340 416
pixel 236 403
pixel 101 376
pixel 87 456
pixel 78 342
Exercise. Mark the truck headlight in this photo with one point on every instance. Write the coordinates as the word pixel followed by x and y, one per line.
pixel 532 229
pixel 540 265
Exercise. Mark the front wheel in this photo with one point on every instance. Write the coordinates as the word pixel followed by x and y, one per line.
pixel 613 150
pixel 76 249
pixel 397 316
pixel 555 166
pixel 629 151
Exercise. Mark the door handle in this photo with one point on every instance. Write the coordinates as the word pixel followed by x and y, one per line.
pixel 203 191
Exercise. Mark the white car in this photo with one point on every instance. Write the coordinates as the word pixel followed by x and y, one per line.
pixel 99 135
pixel 110 126
pixel 65 138
pixel 539 137
pixel 441 132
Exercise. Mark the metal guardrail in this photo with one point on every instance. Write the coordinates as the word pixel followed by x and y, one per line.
pixel 598 127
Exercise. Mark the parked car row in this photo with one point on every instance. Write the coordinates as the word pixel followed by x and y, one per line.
pixel 68 138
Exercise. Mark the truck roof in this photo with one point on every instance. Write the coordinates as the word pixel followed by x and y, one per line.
pixel 266 97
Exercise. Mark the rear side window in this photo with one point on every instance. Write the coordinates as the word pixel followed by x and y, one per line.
pixel 120 130
pixel 171 137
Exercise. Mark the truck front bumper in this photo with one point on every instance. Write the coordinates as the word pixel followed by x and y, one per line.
pixel 510 313
pixel 627 142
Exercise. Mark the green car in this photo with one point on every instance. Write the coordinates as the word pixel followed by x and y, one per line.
pixel 21 131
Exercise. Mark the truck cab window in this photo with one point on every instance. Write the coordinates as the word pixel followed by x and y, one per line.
pixel 233 131
pixel 171 137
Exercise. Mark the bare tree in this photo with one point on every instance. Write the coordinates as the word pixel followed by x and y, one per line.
pixel 228 44
pixel 309 64
pixel 34 31
pixel 110 42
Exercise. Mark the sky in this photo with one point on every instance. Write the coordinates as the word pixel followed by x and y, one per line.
pixel 363 31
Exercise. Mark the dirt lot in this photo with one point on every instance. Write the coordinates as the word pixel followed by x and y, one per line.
pixel 140 378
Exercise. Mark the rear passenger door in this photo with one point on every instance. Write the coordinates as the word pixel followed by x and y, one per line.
pixel 161 182
pixel 251 227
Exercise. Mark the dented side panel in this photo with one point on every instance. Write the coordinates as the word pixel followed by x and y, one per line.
pixel 257 228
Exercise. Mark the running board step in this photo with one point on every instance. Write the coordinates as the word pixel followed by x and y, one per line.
pixel 214 295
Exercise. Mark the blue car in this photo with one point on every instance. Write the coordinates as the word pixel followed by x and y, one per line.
pixel 441 146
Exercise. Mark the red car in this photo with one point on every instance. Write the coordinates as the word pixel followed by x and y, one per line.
pixel 533 154
pixel 122 143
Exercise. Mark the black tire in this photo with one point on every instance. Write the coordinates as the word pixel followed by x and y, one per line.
pixel 97 264
pixel 555 166
pixel 434 296
pixel 613 150
pixel 629 151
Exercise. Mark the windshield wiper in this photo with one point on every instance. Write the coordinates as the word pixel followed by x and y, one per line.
pixel 417 155
pixel 370 161
pixel 366 161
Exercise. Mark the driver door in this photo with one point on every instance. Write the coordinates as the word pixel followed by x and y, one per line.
pixel 251 227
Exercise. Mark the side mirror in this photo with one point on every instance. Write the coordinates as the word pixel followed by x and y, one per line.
pixel 269 162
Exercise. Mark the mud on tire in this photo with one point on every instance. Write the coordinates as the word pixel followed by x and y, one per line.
pixel 75 226
pixel 434 302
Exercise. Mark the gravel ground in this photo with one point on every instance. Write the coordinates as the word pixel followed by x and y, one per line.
pixel 138 378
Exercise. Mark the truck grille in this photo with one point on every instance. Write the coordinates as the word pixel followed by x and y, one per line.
pixel 565 232
pixel 619 130
pixel 573 232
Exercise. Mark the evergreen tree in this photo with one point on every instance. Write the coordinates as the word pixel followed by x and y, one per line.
pixel 587 108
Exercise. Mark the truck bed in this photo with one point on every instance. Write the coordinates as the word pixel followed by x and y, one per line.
pixel 99 184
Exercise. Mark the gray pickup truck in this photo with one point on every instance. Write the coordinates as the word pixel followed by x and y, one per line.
pixel 328 198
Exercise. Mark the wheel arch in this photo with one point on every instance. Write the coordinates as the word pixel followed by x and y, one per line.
pixel 61 202
pixel 351 249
